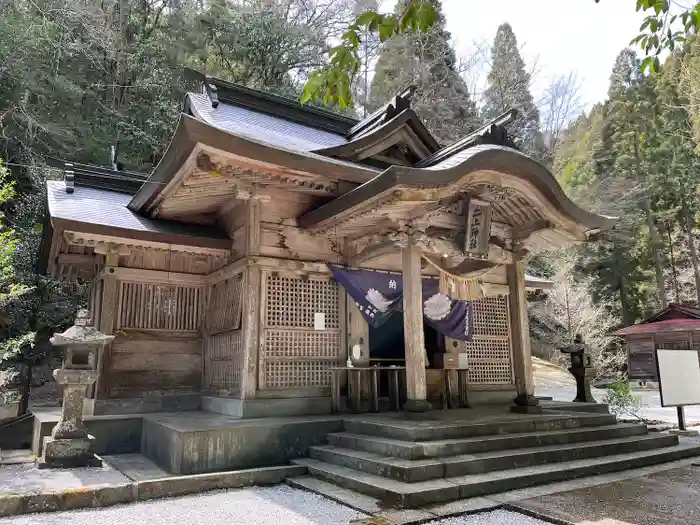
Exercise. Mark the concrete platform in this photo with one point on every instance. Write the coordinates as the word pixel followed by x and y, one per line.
pixel 199 442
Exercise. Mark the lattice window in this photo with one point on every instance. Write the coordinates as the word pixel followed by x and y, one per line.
pixel 159 306
pixel 292 302
pixel 298 374
pixel 488 353
pixel 294 354
pixel 313 345
pixel 491 317
pixel 225 305
pixel 223 362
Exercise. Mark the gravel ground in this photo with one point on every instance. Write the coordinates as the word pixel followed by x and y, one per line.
pixel 251 506
pixel 280 505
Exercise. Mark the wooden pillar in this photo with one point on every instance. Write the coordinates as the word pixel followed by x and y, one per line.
pixel 413 329
pixel 525 401
pixel 250 322
pixel 107 319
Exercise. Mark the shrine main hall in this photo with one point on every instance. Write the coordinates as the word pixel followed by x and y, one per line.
pixel 275 242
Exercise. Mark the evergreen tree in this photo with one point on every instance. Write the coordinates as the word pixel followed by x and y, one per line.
pixel 427 61
pixel 509 88
pixel 627 145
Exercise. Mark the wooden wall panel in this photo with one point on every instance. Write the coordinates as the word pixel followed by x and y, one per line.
pixel 146 363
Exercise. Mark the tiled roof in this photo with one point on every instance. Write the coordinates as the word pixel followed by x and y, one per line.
pixel 108 208
pixel 270 129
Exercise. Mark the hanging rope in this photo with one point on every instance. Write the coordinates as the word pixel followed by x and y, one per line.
pixel 457 287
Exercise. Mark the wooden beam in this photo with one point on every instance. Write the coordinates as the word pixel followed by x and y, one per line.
pixel 373 251
pixel 156 276
pixel 77 258
pixel 523 231
pixel 227 271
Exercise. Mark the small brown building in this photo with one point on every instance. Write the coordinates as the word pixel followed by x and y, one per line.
pixel 213 271
pixel 676 327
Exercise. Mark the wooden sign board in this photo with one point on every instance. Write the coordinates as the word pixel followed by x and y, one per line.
pixel 679 377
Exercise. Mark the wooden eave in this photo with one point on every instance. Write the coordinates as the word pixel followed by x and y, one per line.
pixel 528 196
pixel 193 137
pixel 404 128
pixel 222 242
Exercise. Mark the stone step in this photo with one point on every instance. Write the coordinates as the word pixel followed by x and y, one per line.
pixel 411 495
pixel 435 430
pixel 451 447
pixel 413 471
pixel 595 408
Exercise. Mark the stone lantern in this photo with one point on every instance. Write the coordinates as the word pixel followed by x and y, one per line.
pixel 581 369
pixel 69 444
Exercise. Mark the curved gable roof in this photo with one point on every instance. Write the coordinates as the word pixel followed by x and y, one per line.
pixel 484 164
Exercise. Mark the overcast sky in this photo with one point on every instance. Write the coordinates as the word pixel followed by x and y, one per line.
pixel 558 36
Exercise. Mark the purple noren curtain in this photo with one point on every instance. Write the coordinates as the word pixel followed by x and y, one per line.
pixel 380 294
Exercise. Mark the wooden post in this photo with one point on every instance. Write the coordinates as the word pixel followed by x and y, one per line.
pixel 525 402
pixel 107 320
pixel 251 300
pixel 416 388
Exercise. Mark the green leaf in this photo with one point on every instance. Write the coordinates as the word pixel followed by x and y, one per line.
pixel 367 18
pixel 427 16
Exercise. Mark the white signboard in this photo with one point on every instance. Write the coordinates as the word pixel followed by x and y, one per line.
pixel 679 377
pixel 319 321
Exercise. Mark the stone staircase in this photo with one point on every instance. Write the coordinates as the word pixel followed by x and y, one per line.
pixel 408 464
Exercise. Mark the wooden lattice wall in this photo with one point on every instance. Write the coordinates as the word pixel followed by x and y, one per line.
pixel 160 306
pixel 489 352
pixel 223 355
pixel 157 350
pixel 293 355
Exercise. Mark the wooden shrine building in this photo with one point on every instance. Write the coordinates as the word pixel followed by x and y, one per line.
pixel 676 327
pixel 214 272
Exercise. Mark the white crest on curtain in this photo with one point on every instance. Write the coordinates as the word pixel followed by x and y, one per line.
pixel 378 300
pixel 437 307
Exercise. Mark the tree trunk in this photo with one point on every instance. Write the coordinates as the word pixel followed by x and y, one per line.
pixel 674 275
pixel 25 387
pixel 655 241
pixel 688 228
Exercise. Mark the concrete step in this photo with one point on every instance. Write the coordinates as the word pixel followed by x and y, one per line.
pixel 435 430
pixel 451 447
pixel 411 495
pixel 412 471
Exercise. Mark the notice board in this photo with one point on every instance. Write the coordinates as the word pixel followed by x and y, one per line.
pixel 679 377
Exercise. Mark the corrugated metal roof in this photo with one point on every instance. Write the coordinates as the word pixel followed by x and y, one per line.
pixel 272 130
pixel 669 325
pixel 108 208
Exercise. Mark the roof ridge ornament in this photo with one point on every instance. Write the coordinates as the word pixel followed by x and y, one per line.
pixel 398 103
pixel 493 132
pixel 212 91
pixel 69 177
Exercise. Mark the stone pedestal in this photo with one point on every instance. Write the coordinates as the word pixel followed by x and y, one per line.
pixel 583 376
pixel 69 444
pixel 525 404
